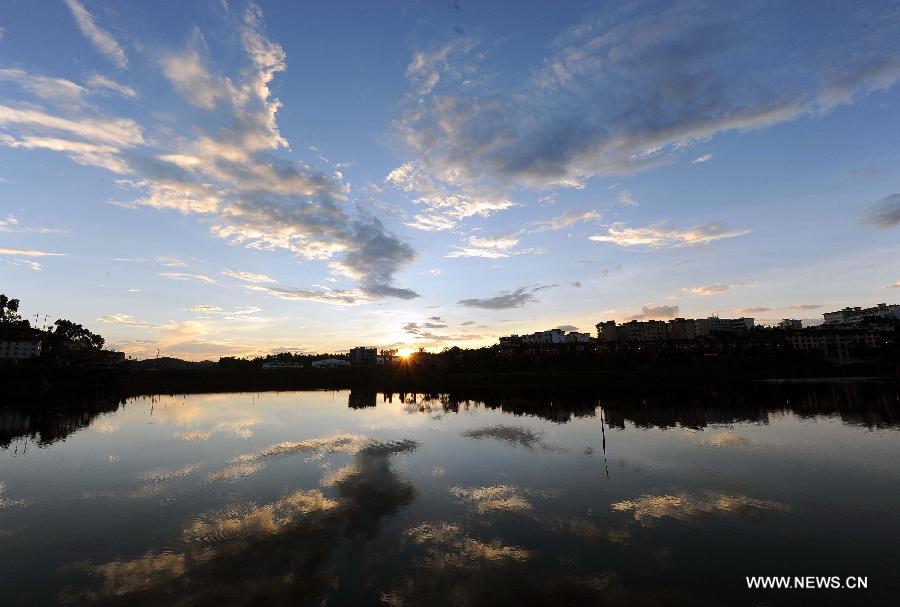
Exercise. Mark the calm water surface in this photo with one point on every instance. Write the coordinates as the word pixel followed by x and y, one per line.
pixel 354 499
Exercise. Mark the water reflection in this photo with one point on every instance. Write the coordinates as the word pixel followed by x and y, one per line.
pixel 321 497
pixel 282 552
pixel 689 507
pixel 871 405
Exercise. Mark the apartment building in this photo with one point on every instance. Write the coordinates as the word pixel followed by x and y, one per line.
pixel 19 349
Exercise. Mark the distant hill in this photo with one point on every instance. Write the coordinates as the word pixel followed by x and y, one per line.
pixel 167 362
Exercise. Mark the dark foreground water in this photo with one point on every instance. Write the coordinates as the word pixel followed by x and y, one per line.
pixel 313 498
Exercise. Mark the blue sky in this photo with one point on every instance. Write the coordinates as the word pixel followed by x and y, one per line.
pixel 230 178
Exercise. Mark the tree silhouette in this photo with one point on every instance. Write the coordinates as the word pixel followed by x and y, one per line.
pixel 67 334
pixel 9 314
pixel 9 310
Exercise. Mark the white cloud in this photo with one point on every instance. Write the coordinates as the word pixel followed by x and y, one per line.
pixel 427 67
pixel 55 89
pixel 184 276
pixel 87 154
pixel 206 309
pixel 121 132
pixel 8 224
pixel 224 167
pixel 446 206
pixel 241 313
pixel 702 159
pixel 101 39
pixel 29 253
pixel 25 263
pixel 247 276
pixel 191 78
pixel 566 220
pixel 182 196
pixel 130 321
pixel 490 247
pixel 323 295
pixel 626 198
pixel 99 82
pixel 659 235
pixel 709 289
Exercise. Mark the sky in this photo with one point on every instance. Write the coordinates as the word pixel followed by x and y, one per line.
pixel 224 178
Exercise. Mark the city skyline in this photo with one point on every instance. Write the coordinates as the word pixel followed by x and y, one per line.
pixel 227 178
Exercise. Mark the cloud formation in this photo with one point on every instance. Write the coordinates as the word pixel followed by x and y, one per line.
pixel 709 289
pixel 566 220
pixel 130 321
pixel 506 299
pixel 45 87
pixel 25 263
pixel 102 40
pixel 629 89
pixel 627 199
pixel 651 312
pixel 424 330
pixel 323 294
pixel 184 276
pixel 687 507
pixel 445 205
pixel 9 224
pixel 490 247
pixel 657 236
pixel 100 83
pixel 247 276
pixel 756 310
pixel 225 166
pixel 29 253
pixel 884 214
pixel 119 133
pixel 513 435
pixel 206 309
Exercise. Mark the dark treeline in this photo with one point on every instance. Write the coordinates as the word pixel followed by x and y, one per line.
pixel 423 374
pixel 73 363
pixel 57 339
pixel 870 404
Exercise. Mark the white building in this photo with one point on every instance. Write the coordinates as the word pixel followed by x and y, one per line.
pixel 542 339
pixel 553 336
pixel 17 349
pixel 578 338
pixel 682 329
pixel 679 329
pixel 853 315
pixel 330 363
pixel 276 364
pixel 714 324
pixel 632 331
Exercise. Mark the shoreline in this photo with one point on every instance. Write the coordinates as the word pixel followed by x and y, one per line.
pixel 72 384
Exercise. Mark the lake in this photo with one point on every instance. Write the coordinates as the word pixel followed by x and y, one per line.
pixel 349 498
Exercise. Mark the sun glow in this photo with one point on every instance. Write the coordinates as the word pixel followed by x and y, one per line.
pixel 404 352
